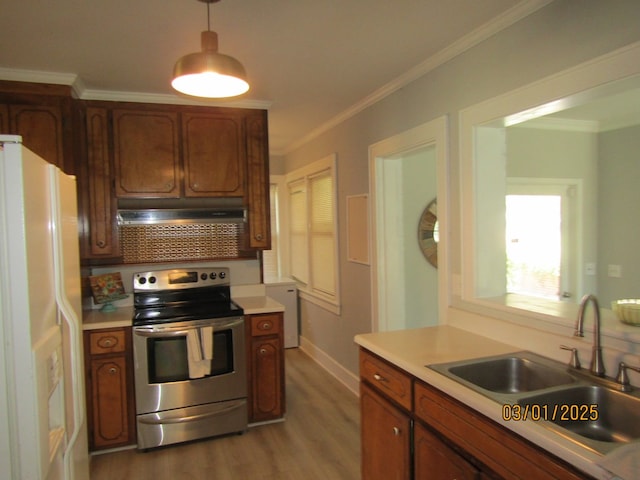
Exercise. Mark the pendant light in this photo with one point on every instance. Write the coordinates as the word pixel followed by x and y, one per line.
pixel 208 73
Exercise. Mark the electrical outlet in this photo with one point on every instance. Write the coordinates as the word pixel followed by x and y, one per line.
pixel 614 271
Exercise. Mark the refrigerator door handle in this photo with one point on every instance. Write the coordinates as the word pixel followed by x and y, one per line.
pixel 73 323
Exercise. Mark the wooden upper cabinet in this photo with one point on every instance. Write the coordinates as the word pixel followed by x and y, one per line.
pixel 98 200
pixel 146 153
pixel 214 154
pixel 41 128
pixel 257 197
pixel 4 119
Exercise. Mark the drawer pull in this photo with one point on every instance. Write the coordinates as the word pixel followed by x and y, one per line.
pixel 396 431
pixel 107 342
pixel 266 326
pixel 379 377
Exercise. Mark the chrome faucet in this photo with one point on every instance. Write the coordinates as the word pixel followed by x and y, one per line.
pixel 597 364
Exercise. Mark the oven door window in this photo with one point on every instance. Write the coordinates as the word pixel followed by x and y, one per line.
pixel 167 357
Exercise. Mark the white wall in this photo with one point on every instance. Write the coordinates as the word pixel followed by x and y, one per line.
pixel 619 226
pixel 562 34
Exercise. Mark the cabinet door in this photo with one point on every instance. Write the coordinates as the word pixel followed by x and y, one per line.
pixel 434 459
pixel 146 153
pixel 214 155
pixel 41 128
pixel 100 209
pixel 267 379
pixel 258 182
pixel 4 118
pixel 386 438
pixel 109 402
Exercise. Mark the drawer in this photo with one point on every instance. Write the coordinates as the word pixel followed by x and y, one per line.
pixel 387 379
pixel 111 341
pixel 266 324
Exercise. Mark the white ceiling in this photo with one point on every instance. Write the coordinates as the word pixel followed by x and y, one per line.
pixel 309 62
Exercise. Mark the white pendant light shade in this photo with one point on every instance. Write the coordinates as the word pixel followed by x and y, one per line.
pixel 208 73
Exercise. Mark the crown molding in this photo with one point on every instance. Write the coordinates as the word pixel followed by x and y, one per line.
pixel 83 93
pixel 117 96
pixel 561 124
pixel 35 76
pixel 508 18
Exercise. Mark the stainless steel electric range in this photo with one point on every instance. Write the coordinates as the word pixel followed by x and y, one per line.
pixel 189 355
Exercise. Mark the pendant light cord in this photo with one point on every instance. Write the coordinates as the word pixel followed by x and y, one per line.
pixel 208 17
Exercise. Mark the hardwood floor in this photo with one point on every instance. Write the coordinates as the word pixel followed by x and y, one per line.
pixel 319 440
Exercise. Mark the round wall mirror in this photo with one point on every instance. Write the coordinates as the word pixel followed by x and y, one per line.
pixel 428 236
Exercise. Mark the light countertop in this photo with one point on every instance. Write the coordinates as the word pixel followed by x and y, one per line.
pixel 123 316
pixel 412 350
pixel 95 319
pixel 259 304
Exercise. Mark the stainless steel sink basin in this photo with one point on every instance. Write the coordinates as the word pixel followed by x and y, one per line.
pixel 588 410
pixel 591 411
pixel 512 374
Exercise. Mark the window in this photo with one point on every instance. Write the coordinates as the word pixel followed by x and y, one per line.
pixel 541 225
pixel 313 253
pixel 271 267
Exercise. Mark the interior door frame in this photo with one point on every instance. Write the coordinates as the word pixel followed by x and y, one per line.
pixel 430 134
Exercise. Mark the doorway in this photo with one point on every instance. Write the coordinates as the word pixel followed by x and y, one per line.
pixel 407 173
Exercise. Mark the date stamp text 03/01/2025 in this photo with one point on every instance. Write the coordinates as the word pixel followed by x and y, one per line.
pixel 554 413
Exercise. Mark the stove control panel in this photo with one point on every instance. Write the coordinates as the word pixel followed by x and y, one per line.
pixel 180 279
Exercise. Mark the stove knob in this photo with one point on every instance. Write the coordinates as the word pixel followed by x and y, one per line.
pixel 212 275
pixel 152 279
pixel 203 276
pixel 222 274
pixel 142 280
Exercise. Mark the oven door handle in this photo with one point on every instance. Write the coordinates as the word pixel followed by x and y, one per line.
pixel 154 420
pixel 160 333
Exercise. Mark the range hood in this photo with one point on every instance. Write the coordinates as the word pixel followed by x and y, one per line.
pixel 180 216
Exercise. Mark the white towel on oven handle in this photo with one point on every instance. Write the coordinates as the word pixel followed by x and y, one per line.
pixel 198 367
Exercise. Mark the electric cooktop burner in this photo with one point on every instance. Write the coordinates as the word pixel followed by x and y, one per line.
pixel 179 295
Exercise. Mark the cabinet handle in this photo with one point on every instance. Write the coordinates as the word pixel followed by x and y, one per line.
pixel 113 370
pixel 258 236
pixel 107 342
pixel 101 244
pixel 396 431
pixel 263 351
pixel 379 377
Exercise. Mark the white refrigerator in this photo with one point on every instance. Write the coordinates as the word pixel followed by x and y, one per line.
pixel 42 404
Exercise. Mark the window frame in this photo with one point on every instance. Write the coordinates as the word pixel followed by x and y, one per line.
pixel 306 288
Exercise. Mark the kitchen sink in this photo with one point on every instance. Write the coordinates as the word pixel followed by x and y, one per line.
pixel 512 374
pixel 507 374
pixel 591 411
pixel 586 409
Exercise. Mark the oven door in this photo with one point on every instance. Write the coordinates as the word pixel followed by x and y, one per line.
pixel 169 359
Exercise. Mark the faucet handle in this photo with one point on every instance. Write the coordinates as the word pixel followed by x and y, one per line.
pixel 623 378
pixel 575 361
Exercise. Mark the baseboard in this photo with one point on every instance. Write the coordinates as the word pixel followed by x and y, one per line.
pixel 344 376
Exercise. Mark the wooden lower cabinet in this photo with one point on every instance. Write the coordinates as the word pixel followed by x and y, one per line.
pixel 386 438
pixel 447 439
pixel 109 385
pixel 434 459
pixel 266 383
